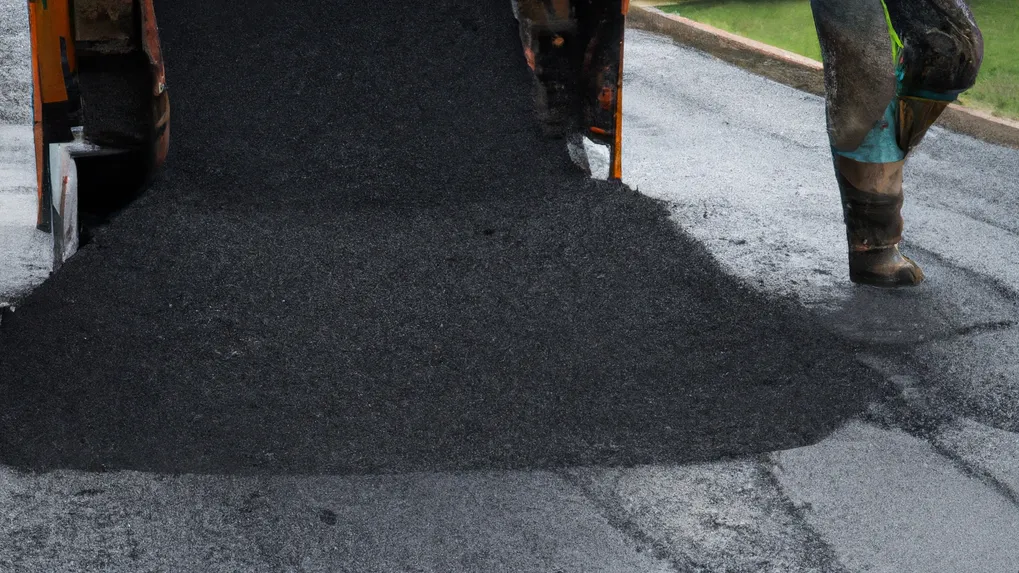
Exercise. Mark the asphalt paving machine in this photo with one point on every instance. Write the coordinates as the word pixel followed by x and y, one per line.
pixel 101 107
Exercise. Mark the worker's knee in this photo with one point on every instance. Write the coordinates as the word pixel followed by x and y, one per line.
pixel 942 47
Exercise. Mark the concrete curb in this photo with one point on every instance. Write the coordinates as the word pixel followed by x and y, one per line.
pixel 797 71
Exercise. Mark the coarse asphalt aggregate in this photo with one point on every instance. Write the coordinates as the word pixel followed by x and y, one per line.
pixel 363 257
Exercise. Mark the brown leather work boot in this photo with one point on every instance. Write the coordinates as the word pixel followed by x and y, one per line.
pixel 871 203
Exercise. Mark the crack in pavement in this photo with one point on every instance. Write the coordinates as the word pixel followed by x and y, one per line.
pixel 619 519
pixel 924 412
pixel 728 514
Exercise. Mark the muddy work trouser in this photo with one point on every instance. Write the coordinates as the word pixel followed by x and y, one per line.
pixel 890 67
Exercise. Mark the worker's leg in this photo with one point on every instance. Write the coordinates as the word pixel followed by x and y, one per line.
pixel 888 75
pixel 600 24
pixel 574 48
pixel 548 33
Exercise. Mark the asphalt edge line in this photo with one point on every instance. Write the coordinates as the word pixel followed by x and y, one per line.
pixel 618 518
pixel 924 414
pixel 612 509
pixel 769 464
pixel 799 72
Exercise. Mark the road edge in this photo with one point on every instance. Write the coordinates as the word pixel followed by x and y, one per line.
pixel 798 71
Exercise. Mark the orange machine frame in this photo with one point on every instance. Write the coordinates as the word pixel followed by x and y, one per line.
pixel 54 69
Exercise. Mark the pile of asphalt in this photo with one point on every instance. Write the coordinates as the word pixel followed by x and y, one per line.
pixel 363 257
pixel 117 95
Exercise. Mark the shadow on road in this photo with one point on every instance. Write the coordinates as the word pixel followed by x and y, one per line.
pixel 106 186
pixel 412 280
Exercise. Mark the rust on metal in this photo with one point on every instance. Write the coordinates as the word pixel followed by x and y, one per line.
pixel 150 43
pixel 606 98
pixel 161 106
pixel 561 9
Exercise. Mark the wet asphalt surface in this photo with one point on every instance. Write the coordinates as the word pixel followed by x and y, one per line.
pixel 362 257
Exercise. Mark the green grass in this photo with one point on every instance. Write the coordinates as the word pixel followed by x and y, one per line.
pixel 788 24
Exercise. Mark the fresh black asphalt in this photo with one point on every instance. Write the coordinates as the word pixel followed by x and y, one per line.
pixel 363 257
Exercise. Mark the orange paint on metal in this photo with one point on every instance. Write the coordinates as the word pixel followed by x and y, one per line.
pixel 33 24
pixel 617 159
pixel 150 37
pixel 626 7
pixel 53 23
pixel 598 130
pixel 50 22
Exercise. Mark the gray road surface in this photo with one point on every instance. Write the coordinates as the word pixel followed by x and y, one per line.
pixel 743 164
pixel 25 253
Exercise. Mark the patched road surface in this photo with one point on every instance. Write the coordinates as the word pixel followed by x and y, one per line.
pixel 368 319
